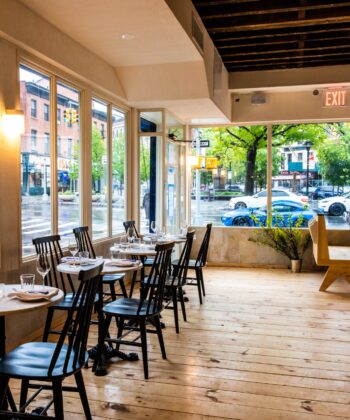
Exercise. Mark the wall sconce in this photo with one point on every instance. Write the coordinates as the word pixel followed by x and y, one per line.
pixel 12 123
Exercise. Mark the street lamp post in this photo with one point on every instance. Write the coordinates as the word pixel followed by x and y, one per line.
pixel 307 145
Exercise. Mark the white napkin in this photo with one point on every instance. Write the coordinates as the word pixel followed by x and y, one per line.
pixel 121 263
pixel 33 295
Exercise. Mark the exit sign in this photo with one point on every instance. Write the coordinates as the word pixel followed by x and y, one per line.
pixel 335 97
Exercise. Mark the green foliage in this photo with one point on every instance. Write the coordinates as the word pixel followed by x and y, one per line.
pixel 98 152
pixel 334 160
pixel 118 157
pixel 145 161
pixel 285 238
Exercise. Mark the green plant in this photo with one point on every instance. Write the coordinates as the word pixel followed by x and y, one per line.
pixel 284 237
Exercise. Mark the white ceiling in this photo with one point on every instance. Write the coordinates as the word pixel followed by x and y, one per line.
pixel 99 25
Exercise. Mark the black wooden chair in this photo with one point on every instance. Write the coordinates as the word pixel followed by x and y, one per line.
pixel 176 280
pixel 147 308
pixel 146 261
pixel 48 364
pixel 198 264
pixel 50 245
pixel 85 244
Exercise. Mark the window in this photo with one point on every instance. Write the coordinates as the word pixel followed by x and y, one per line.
pixel 59 116
pixel 35 160
pixel 118 170
pixel 47 143
pixel 100 181
pixel 33 136
pixel 46 112
pixel 33 108
pixel 279 193
pixel 103 131
pixel 300 157
pixel 69 147
pixel 68 163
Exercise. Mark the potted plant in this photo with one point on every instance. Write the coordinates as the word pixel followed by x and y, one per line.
pixel 284 237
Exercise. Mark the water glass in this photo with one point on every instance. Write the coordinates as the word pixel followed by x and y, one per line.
pixel 72 247
pixel 27 281
pixel 83 254
pixel 115 254
pixel 43 265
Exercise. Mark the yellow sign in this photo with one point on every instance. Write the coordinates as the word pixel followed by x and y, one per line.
pixel 211 163
pixel 200 164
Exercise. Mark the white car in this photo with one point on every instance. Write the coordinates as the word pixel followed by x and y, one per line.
pixel 259 199
pixel 335 206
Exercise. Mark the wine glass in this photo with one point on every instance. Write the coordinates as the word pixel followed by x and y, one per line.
pixel 153 227
pixel 131 235
pixel 73 247
pixel 43 265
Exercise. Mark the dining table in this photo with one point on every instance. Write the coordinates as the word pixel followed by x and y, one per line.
pixel 13 306
pixel 73 267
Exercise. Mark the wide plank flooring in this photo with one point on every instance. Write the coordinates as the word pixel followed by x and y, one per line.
pixel 264 345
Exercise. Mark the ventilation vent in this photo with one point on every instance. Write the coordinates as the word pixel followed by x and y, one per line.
pixel 197 33
pixel 258 98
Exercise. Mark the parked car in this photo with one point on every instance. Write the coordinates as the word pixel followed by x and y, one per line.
pixel 284 212
pixel 335 206
pixel 233 188
pixel 326 192
pixel 259 199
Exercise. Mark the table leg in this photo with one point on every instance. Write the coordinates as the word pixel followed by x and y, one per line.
pixel 107 351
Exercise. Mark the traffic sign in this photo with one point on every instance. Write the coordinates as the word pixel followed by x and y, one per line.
pixel 203 143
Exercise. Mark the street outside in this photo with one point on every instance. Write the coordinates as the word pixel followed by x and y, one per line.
pixel 211 212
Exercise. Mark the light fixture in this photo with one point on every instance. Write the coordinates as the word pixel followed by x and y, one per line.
pixel 128 36
pixel 12 123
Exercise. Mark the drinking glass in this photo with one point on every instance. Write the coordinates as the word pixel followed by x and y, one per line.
pixel 153 227
pixel 2 290
pixel 43 266
pixel 115 254
pixel 83 254
pixel 131 235
pixel 27 281
pixel 73 247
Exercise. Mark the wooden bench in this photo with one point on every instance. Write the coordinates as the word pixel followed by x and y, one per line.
pixel 336 258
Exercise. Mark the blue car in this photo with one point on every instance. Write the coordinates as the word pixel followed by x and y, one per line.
pixel 284 213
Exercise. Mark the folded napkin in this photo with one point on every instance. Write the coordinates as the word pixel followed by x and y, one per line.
pixel 29 295
pixel 78 260
pixel 121 263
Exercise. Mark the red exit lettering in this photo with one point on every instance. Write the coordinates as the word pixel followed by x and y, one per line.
pixel 333 98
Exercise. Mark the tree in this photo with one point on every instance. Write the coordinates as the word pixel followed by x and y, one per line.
pixel 145 162
pixel 243 143
pixel 98 153
pixel 334 161
pixel 261 166
pixel 118 158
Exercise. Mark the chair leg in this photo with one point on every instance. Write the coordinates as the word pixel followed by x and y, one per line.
pixel 120 330
pixel 47 324
pixel 182 301
pixel 58 399
pixel 103 327
pixel 176 312
pixel 24 394
pixel 122 286
pixel 202 281
pixel 3 393
pixel 199 287
pixel 82 392
pixel 112 289
pixel 160 336
pixel 133 280
pixel 144 346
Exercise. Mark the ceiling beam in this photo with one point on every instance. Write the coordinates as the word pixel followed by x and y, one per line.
pixel 281 24
pixel 276 60
pixel 260 9
pixel 286 50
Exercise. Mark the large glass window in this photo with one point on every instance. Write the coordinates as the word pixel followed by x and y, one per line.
pixel 172 187
pixel 118 170
pixel 35 159
pixel 99 171
pixel 68 168
pixel 229 169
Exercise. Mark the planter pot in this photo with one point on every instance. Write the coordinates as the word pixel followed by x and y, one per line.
pixel 296 265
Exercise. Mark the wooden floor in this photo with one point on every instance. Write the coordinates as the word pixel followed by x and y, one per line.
pixel 264 345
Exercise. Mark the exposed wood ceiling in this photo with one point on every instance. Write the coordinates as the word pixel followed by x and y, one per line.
pixel 264 35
